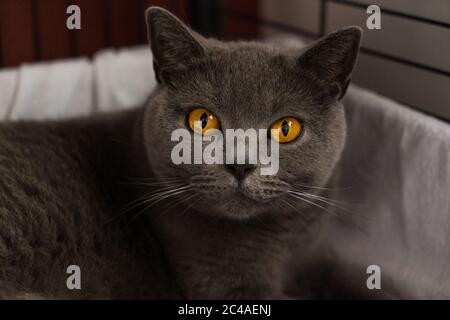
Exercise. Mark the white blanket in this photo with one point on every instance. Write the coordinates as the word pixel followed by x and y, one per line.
pixel 395 177
pixel 113 80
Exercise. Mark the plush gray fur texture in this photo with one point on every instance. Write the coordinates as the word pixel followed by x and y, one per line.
pixel 84 191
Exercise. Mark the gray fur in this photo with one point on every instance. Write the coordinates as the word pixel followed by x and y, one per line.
pixel 64 185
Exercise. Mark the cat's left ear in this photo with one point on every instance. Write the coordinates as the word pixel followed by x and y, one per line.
pixel 173 44
pixel 332 58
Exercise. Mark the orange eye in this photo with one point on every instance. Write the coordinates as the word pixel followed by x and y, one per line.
pixel 204 119
pixel 287 129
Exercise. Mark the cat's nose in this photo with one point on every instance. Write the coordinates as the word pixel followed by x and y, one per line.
pixel 240 171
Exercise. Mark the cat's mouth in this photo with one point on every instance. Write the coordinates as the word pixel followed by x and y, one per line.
pixel 239 201
pixel 245 194
pixel 242 195
pixel 235 198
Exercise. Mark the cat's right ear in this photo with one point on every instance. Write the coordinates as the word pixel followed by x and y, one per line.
pixel 173 44
pixel 331 60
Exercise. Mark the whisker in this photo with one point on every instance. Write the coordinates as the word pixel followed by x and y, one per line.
pixel 310 202
pixel 304 222
pixel 148 197
pixel 335 214
pixel 319 188
pixel 158 199
pixel 178 201
pixel 192 203
pixel 142 200
pixel 331 202
pixel 155 180
pixel 156 183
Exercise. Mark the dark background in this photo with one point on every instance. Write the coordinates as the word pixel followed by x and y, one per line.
pixel 35 30
pixel 408 60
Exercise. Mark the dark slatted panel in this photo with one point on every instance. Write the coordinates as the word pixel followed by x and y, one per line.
pixel 33 30
pixel 248 7
pixel 235 26
pixel 178 7
pixel 53 35
pixel 182 9
pixel 92 35
pixel 16 27
pixel 124 22
pixel 166 4
pixel 238 28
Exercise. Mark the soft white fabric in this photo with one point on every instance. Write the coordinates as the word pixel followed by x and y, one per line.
pixel 395 181
pixel 8 85
pixel 59 89
pixel 55 90
pixel 124 78
pixel 395 171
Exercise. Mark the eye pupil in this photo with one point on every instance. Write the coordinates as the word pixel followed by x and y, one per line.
pixel 204 119
pixel 285 128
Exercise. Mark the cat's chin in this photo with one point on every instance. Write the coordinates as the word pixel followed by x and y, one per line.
pixel 240 208
pixel 234 203
pixel 239 213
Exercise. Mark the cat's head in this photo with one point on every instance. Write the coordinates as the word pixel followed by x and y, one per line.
pixel 247 85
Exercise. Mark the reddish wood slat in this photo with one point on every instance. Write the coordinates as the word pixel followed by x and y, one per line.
pixel 166 4
pixel 182 9
pixel 248 7
pixel 32 30
pixel 92 35
pixel 54 37
pixel 124 22
pixel 236 28
pixel 17 31
pixel 177 7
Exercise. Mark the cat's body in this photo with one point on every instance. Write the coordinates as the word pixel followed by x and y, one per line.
pixel 102 193
pixel 61 194
pixel 64 194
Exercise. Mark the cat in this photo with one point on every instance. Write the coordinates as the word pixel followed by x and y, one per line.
pixel 102 192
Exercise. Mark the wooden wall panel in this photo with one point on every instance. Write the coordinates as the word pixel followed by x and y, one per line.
pixel 166 4
pixel 52 33
pixel 301 14
pixel 182 9
pixel 413 40
pixel 178 7
pixel 422 89
pixel 238 28
pixel 247 7
pixel 435 10
pixel 33 30
pixel 16 32
pixel 124 22
pixel 238 19
pixel 92 35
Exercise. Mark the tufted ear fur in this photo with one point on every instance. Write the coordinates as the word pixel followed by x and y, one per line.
pixel 173 44
pixel 331 59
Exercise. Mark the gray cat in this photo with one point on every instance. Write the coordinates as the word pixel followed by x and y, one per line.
pixel 102 192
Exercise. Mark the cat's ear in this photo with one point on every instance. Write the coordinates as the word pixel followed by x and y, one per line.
pixel 331 59
pixel 173 44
